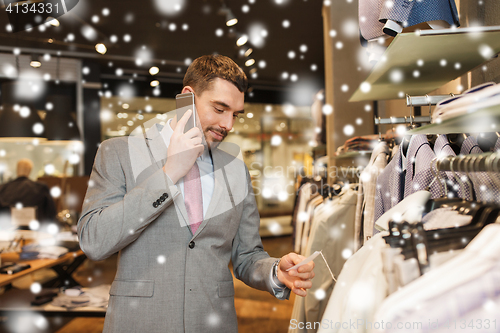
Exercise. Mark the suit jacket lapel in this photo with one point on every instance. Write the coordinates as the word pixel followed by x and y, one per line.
pixel 156 144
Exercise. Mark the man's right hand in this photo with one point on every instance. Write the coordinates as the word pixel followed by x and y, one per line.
pixel 183 150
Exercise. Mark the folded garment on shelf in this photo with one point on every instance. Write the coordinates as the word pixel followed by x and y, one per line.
pixel 359 143
pixel 83 297
pixel 35 251
pixel 479 97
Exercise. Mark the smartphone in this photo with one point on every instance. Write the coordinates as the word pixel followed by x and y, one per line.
pixel 185 102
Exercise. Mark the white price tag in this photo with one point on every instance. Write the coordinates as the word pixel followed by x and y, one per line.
pixel 306 261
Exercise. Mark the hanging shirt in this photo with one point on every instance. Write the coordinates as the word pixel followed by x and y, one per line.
pixel 331 232
pixel 365 207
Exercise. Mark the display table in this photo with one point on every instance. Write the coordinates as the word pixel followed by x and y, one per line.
pixel 16 301
pixel 72 259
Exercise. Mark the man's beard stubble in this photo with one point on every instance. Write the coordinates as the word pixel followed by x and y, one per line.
pixel 218 130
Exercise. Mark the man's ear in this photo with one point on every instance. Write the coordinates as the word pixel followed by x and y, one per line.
pixel 187 89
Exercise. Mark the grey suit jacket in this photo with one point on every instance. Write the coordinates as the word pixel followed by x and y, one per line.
pixel 169 280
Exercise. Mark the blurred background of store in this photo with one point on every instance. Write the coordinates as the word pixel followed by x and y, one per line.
pixel 111 92
pixel 118 65
pixel 106 94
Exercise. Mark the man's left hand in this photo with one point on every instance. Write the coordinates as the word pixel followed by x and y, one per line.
pixel 299 279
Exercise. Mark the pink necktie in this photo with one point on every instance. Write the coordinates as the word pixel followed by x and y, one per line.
pixel 193 197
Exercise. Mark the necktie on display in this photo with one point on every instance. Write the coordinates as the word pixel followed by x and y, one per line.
pixel 193 197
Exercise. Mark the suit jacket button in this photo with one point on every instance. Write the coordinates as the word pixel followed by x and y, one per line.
pixel 191 244
pixel 162 198
pixel 165 195
pixel 155 204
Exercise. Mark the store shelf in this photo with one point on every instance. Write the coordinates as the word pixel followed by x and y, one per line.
pixel 461 49
pixel 353 154
pixel 480 121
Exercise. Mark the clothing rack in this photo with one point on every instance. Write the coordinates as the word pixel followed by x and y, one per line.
pixel 487 162
pixel 426 100
pixel 402 120
pixel 414 101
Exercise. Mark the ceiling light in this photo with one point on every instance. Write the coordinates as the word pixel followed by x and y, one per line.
pixel 248 52
pixel 35 62
pixel 154 70
pixel 54 22
pixel 154 83
pixel 231 22
pixel 253 70
pixel 242 40
pixel 230 18
pixel 249 62
pixel 125 106
pixel 100 48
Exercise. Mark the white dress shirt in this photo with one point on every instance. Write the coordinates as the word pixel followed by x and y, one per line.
pixel 453 289
pixel 204 164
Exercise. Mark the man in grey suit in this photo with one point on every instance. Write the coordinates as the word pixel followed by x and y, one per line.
pixel 177 207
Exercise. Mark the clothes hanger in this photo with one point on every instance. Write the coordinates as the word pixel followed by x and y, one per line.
pixel 482 213
pixel 491 212
pixel 467 163
pixel 420 247
pixel 331 191
pixel 443 201
pixel 379 131
pixel 467 207
pixel 487 141
pixel 405 142
pixel 416 242
pixel 456 141
pixel 404 235
pixel 431 138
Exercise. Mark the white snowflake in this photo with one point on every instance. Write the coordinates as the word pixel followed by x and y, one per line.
pixel 348 130
pixel 365 87
pixel 346 253
pixel 320 294
pixel 55 191
pixel 396 76
pixel 213 319
pixel 327 109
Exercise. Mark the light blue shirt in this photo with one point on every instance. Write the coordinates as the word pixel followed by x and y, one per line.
pixel 204 164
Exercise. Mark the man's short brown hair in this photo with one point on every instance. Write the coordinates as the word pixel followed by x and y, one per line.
pixel 205 69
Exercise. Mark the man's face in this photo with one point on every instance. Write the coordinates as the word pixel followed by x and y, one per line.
pixel 218 107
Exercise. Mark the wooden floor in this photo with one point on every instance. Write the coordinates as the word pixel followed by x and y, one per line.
pixel 257 311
